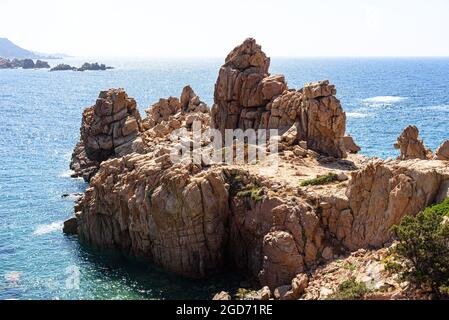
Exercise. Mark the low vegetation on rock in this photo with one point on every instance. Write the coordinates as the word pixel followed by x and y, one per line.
pixel 320 180
pixel 424 248
pixel 350 290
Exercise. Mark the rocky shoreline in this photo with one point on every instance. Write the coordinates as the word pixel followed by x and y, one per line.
pixel 23 63
pixel 39 64
pixel 324 203
pixel 85 67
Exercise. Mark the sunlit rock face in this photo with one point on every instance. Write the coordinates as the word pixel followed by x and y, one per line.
pixel 248 97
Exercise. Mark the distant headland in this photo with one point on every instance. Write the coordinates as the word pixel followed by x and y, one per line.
pixel 10 50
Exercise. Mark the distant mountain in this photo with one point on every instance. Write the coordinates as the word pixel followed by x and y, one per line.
pixel 10 50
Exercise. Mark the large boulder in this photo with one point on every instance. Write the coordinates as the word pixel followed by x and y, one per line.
pixel 5 64
pixel 63 67
pixel 240 87
pixel 190 102
pixel 28 64
pixel 93 67
pixel 410 146
pixel 381 194
pixel 247 97
pixel 442 152
pixel 350 145
pixel 42 65
pixel 110 128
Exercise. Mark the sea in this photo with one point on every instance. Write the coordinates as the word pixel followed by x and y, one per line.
pixel 40 116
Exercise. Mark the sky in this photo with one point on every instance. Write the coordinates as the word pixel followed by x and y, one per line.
pixel 210 28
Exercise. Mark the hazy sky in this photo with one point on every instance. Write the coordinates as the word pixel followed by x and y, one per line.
pixel 141 28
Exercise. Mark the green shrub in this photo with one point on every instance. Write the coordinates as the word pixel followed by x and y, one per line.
pixel 350 267
pixel 441 209
pixel 350 290
pixel 424 247
pixel 320 180
pixel 255 193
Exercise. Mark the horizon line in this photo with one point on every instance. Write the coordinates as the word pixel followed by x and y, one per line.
pixel 69 56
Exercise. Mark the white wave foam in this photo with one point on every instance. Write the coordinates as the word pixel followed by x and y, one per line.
pixel 13 276
pixel 357 114
pixel 66 174
pixel 48 228
pixel 440 107
pixel 384 100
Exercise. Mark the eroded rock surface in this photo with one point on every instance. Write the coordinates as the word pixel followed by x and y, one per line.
pixel 442 152
pixel 248 97
pixel 411 146
pixel 197 219
pixel 110 128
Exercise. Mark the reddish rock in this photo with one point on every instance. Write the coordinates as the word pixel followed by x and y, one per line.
pixel 350 145
pixel 442 152
pixel 110 128
pixel 247 97
pixel 411 146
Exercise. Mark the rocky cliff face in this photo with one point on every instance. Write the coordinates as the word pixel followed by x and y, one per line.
pixel 110 128
pixel 247 97
pixel 442 152
pixel 196 219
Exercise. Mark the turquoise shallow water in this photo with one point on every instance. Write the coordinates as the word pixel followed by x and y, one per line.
pixel 40 118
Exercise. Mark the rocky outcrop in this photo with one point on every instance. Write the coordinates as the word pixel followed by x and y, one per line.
pixel 110 128
pixel 411 146
pixel 190 102
pixel 350 145
pixel 247 97
pixel 194 223
pixel 27 64
pixel 63 67
pixel 93 67
pixel 197 219
pixel 70 226
pixel 42 65
pixel 22 63
pixel 364 267
pixel 442 152
pixel 5 64
pixel 172 113
pixel 85 67
pixel 381 194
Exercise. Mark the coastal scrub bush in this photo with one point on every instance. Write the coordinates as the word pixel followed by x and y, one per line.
pixel 423 246
pixel 320 180
pixel 255 193
pixel 350 290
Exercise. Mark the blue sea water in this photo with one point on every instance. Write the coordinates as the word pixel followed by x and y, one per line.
pixel 40 115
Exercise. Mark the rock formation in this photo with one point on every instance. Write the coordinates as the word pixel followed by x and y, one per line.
pixel 110 128
pixel 381 194
pixel 5 64
pixel 93 67
pixel 27 64
pixel 63 67
pixel 350 145
pixel 442 152
pixel 190 102
pixel 247 97
pixel 85 67
pixel 411 146
pixel 195 219
pixel 42 65
pixel 23 63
